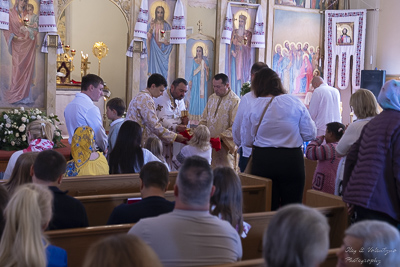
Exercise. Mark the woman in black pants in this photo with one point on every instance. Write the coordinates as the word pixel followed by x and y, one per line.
pixel 276 127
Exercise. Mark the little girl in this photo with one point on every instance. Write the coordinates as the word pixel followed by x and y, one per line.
pixel 227 200
pixel 154 145
pixel 199 145
pixel 328 160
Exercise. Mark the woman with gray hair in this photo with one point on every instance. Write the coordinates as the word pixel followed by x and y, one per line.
pixel 371 176
pixel 370 243
pixel 297 236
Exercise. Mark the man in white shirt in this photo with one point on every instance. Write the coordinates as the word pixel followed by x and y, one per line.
pixel 169 109
pixel 81 111
pixel 245 105
pixel 324 105
pixel 190 235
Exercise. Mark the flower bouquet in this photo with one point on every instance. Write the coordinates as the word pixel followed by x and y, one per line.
pixel 245 88
pixel 13 127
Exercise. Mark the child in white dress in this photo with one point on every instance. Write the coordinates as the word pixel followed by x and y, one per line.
pixel 199 145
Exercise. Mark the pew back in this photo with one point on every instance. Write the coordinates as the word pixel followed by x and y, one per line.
pixel 339 223
pixel 330 261
pixel 106 184
pixel 99 207
pixel 77 241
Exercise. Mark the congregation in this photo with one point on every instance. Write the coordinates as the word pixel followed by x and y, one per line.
pixel 203 226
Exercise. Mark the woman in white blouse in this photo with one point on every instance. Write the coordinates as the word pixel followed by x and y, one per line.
pixel 128 156
pixel 365 107
pixel 277 152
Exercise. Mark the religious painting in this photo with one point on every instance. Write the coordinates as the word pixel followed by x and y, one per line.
pixel 344 33
pixel 240 56
pixel 324 4
pixel 22 64
pixel 298 3
pixel 296 54
pixel 245 1
pixel 199 71
pixel 158 54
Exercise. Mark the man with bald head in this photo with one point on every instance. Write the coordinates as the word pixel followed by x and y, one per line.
pixel 324 105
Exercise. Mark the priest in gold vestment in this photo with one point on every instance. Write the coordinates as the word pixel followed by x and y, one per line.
pixel 143 111
pixel 218 116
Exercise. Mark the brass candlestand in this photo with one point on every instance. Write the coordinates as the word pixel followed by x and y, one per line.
pixel 84 64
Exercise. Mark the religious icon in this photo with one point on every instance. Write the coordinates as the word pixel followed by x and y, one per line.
pixel 199 70
pixel 298 3
pixel 344 33
pixel 21 83
pixel 240 54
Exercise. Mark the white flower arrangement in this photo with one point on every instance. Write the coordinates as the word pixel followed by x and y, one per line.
pixel 13 127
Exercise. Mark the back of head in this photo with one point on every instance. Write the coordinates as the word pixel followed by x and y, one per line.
pixel 336 128
pixel 90 79
pixel 49 165
pixel 157 80
pixel 177 81
pixel 22 171
pixel 121 250
pixel 389 96
pixel 4 196
pixel 118 105
pixel 27 214
pixel 297 236
pixel 154 145
pixel 267 82
pixel 154 174
pixel 257 66
pixel 377 235
pixel 201 138
pixel 227 197
pixel 316 81
pixel 223 77
pixel 364 104
pixel 41 129
pixel 195 181
pixel 127 151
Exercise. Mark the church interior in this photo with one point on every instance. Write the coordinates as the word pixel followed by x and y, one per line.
pixel 351 44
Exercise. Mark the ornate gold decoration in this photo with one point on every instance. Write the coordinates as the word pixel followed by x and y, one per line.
pixel 65 65
pixel 84 64
pixel 100 50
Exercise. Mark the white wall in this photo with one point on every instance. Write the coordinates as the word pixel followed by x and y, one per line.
pixel 94 21
pixel 382 40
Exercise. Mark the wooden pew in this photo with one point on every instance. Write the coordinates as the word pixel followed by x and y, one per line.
pixel 252 244
pixel 77 241
pixel 330 261
pixel 256 198
pixel 339 223
pixel 309 166
pixel 106 184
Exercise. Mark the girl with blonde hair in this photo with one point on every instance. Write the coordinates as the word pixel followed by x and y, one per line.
pixel 22 172
pixel 27 215
pixel 199 145
pixel 40 135
pixel 154 145
pixel 121 250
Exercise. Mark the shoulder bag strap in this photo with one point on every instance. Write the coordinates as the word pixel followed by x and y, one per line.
pixel 262 116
